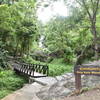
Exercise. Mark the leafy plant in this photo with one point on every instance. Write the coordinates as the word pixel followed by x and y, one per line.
pixel 9 82
pixel 3 58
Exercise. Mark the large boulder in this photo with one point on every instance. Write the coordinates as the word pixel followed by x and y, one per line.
pixel 53 92
pixel 62 88
pixel 65 85
pixel 40 56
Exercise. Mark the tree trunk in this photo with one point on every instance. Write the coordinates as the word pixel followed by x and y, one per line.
pixel 94 32
pixel 16 50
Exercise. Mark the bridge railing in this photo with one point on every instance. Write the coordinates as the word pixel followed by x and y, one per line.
pixel 30 69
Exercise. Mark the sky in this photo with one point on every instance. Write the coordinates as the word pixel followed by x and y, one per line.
pixel 57 8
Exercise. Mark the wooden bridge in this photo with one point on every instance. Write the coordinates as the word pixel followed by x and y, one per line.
pixel 32 70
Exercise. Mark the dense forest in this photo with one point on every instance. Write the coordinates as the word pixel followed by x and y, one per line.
pixel 59 43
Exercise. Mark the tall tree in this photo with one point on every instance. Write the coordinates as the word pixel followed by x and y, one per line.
pixel 91 7
pixel 18 26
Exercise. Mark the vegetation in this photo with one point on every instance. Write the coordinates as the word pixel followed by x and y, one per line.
pixel 57 67
pixel 67 40
pixel 91 7
pixel 9 82
pixel 57 64
pixel 17 27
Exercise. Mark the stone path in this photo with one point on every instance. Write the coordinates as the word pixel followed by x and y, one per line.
pixel 52 88
pixel 28 92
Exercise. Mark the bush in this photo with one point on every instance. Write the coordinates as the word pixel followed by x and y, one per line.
pixel 9 82
pixel 4 92
pixel 58 67
pixel 3 58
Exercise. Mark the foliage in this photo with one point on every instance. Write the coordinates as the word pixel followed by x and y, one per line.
pixel 9 82
pixel 3 57
pixel 20 31
pixel 25 26
pixel 5 25
pixel 18 26
pixel 66 34
pixel 58 67
pixel 91 7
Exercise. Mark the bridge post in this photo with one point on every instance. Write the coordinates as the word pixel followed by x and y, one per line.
pixel 47 71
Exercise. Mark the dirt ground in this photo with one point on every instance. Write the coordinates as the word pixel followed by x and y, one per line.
pixel 89 95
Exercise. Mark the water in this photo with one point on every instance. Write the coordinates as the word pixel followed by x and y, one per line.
pixel 41 40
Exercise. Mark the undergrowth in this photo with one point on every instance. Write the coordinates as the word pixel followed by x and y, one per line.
pixel 9 82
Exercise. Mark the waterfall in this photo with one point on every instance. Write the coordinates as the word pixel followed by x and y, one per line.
pixel 41 40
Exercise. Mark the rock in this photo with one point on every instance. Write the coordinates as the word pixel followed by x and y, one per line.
pixel 65 85
pixel 59 78
pixel 53 92
pixel 60 89
pixel 69 74
pixel 45 80
pixel 56 88
pixel 66 76
pixel 90 81
pixel 40 55
pixel 70 85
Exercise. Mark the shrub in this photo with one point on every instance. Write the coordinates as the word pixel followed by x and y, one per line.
pixel 3 58
pixel 9 82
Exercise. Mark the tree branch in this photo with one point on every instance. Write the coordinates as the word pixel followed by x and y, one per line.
pixel 96 9
pixel 89 14
pixel 93 6
pixel 85 6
